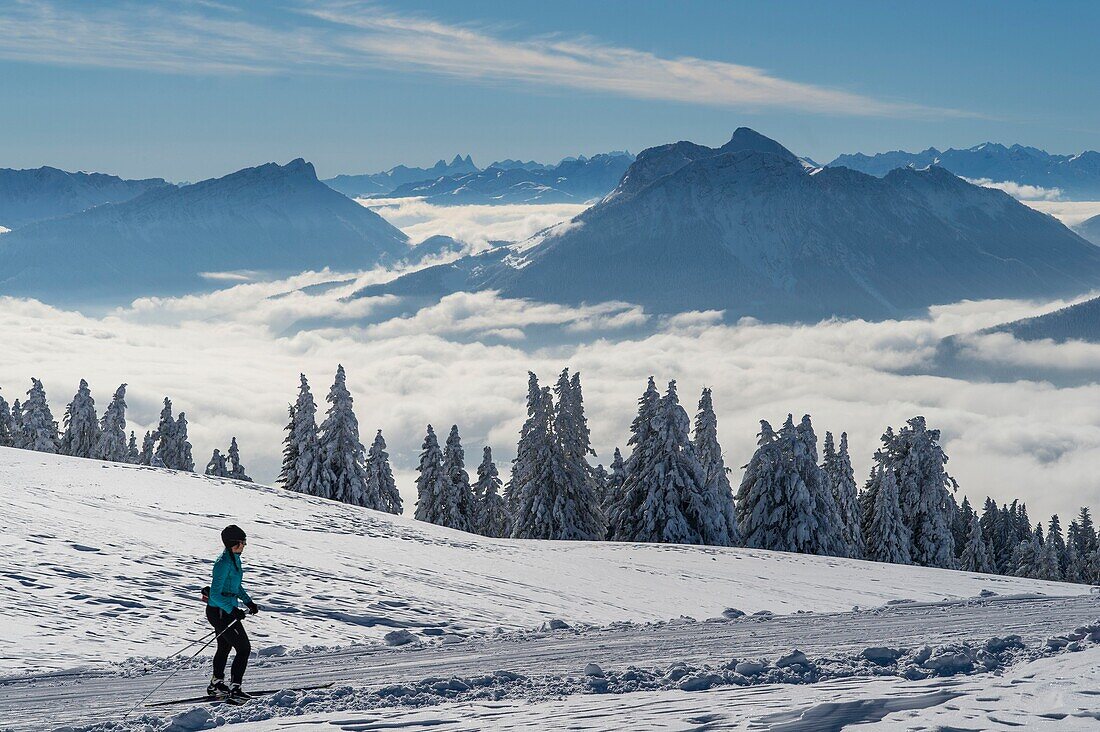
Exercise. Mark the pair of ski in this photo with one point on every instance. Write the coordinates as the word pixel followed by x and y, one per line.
pixel 208 699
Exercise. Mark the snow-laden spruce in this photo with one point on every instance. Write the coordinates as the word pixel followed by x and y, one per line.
pixel 18 429
pixel 236 469
pixel 785 501
pixel 133 453
pixel 301 469
pixel 436 502
pixel 39 426
pixel 217 468
pixel 720 519
pixel 148 448
pixel 81 432
pixel 7 438
pixel 382 493
pixel 112 444
pixel 172 448
pixel 628 495
pixel 458 479
pixel 495 520
pixel 614 485
pixel 887 538
pixel 976 555
pixel 553 495
pixel 918 462
pixel 837 465
pixel 343 460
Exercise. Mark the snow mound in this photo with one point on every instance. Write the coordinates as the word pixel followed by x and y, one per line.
pixel 101 561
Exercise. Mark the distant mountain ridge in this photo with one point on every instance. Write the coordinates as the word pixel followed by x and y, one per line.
pixel 1080 322
pixel 1090 229
pixel 573 180
pixel 751 229
pixel 372 184
pixel 43 193
pixel 274 220
pixel 1076 176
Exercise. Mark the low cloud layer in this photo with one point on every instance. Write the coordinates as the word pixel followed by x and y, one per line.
pixel 1070 213
pixel 1020 191
pixel 231 361
pixel 476 225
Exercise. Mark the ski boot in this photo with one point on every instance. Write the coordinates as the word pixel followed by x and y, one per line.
pixel 217 688
pixel 237 695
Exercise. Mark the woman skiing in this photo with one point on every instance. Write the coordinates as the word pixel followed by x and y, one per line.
pixel 224 614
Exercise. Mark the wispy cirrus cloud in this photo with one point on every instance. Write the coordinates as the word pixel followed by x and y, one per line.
pixel 318 37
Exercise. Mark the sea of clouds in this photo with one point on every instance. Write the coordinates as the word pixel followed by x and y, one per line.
pixel 231 360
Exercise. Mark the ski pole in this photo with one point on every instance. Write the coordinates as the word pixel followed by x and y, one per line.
pixel 200 640
pixel 169 676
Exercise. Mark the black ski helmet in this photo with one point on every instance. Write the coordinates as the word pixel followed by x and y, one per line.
pixel 232 534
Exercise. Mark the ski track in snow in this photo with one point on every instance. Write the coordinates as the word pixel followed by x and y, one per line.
pixel 102 562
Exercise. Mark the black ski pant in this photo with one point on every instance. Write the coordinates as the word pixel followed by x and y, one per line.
pixel 229 637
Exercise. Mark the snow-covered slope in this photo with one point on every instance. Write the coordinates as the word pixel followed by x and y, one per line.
pixel 371 184
pixel 27 196
pixel 572 181
pixel 103 561
pixel 1080 322
pixel 270 220
pixel 749 229
pixel 1090 229
pixel 1076 176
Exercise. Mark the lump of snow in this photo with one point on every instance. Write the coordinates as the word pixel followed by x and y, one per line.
pixel 1057 643
pixel 987 593
pixel 750 668
pixel 950 660
pixel 432 631
pixel 732 613
pixel 699 681
pixel 556 624
pixel 195 719
pixel 677 671
pixel 999 645
pixel 900 601
pixel 597 684
pixel 794 658
pixel 272 651
pixel 593 669
pixel 881 655
pixel 398 637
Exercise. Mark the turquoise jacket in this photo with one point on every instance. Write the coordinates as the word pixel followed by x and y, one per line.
pixel 226 588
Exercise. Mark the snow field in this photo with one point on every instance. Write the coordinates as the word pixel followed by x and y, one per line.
pixel 104 561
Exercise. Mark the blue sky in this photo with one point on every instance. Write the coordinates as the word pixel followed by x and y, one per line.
pixel 193 89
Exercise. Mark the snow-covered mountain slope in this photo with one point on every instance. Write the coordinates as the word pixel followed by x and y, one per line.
pixel 572 181
pixel 372 184
pixel 1076 176
pixel 266 221
pixel 27 196
pixel 1080 322
pixel 1090 229
pixel 748 228
pixel 104 561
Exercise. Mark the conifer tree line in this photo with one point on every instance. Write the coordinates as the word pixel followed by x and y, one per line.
pixel 30 425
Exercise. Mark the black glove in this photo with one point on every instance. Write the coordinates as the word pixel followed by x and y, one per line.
pixel 253 608
pixel 237 614
pixel 206 594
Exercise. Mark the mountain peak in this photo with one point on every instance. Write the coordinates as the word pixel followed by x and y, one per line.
pixel 744 138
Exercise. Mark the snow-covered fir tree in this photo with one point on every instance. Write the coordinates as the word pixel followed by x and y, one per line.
pixel 575 486
pixel 837 465
pixel 173 451
pixel 1086 532
pixel 382 493
pixel 216 467
pixel 133 453
pixel 495 522
pixel 1054 534
pixel 436 503
pixel 918 462
pixel 18 429
pixel 976 554
pixel 81 433
pixel 148 449
pixel 553 501
pixel 301 469
pixel 785 502
pixel 720 525
pixel 960 528
pixel 523 466
pixel 183 447
pixel 1025 558
pixel 1072 570
pixel 343 471
pixel 887 538
pixel 454 468
pixel 7 439
pixel 600 481
pixel 236 470
pixel 1048 565
pixel 112 444
pixel 629 494
pixel 39 427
